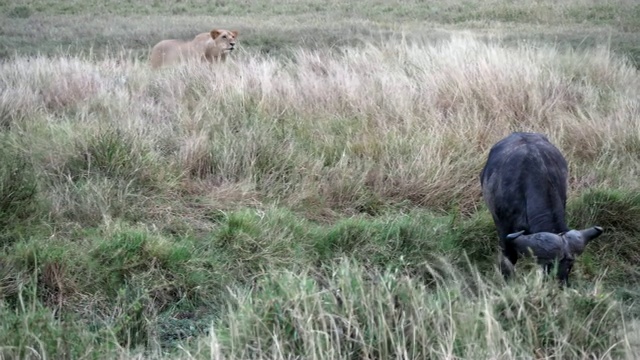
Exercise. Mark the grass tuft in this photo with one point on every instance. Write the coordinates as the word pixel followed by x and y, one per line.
pixel 19 192
pixel 370 314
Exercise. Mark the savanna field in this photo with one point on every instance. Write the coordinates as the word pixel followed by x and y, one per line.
pixel 316 196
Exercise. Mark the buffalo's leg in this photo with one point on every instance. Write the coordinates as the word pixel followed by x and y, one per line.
pixel 508 261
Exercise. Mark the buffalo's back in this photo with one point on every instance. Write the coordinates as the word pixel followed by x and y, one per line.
pixel 524 184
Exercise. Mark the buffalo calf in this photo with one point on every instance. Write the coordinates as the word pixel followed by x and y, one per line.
pixel 524 184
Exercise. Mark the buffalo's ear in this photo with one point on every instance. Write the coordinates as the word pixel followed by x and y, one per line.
pixel 515 235
pixel 215 33
pixel 234 33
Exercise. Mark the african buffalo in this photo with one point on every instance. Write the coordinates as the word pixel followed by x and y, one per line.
pixel 524 184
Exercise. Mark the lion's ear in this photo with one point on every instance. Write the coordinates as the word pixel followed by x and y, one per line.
pixel 235 33
pixel 215 33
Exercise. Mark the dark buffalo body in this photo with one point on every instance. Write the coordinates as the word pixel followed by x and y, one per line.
pixel 524 184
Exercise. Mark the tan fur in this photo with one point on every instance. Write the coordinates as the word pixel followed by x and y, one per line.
pixel 209 46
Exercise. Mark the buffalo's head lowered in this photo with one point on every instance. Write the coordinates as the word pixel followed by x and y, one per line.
pixel 549 248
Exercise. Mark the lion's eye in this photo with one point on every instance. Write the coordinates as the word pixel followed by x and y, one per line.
pixel 224 36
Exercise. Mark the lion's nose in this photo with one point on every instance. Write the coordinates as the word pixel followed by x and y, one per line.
pixel 232 43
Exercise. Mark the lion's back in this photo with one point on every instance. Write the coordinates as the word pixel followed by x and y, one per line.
pixel 166 52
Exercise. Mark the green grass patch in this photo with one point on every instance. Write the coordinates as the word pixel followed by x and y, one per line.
pixel 359 312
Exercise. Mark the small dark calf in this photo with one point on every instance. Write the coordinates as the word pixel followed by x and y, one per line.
pixel 524 184
pixel 548 248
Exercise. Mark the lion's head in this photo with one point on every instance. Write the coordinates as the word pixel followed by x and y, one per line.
pixel 224 40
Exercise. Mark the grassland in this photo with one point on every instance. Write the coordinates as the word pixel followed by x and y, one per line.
pixel 317 196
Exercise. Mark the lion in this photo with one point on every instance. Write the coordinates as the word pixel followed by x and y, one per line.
pixel 209 46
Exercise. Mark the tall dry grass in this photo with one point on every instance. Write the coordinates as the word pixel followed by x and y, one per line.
pixel 340 131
